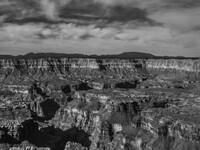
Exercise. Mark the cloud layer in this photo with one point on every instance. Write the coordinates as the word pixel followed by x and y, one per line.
pixel 162 27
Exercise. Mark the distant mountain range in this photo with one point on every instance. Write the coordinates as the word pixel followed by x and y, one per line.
pixel 125 55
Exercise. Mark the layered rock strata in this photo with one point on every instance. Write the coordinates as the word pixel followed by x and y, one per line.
pixel 99 104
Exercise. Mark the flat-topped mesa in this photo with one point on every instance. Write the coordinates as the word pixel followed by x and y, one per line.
pixel 172 68
pixel 75 67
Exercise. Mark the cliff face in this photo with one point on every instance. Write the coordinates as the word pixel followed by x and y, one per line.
pixel 186 68
pixel 182 64
pixel 24 69
pixel 41 68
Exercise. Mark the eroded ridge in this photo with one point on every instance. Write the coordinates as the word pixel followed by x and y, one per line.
pixel 67 104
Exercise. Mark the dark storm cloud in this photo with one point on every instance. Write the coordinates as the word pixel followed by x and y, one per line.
pixel 31 8
pixel 58 10
pixel 18 7
pixel 159 26
pixel 96 10
pixel 150 3
pixel 111 10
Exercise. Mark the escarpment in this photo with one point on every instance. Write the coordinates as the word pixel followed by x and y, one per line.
pixel 185 69
pixel 25 69
pixel 44 69
pixel 99 104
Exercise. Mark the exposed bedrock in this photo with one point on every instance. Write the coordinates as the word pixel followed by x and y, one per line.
pixel 116 119
pixel 48 69
pixel 83 68
pixel 187 69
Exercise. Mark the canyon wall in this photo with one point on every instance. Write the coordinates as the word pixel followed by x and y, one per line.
pixel 80 68
pixel 66 67
pixel 175 68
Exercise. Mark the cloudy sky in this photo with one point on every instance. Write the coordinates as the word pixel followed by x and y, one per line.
pixel 160 27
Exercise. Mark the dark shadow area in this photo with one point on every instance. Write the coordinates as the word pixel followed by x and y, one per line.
pixel 69 99
pixel 144 78
pixel 30 132
pixel 110 131
pixel 161 104
pixel 52 137
pixel 163 131
pixel 101 66
pixel 49 108
pixel 35 89
pixel 179 87
pixel 107 86
pixel 67 67
pixel 39 91
pixel 66 89
pixel 17 64
pixel 127 85
pixel 82 87
pixel 138 66
pixel 6 138
pixel 73 135
pixel 36 117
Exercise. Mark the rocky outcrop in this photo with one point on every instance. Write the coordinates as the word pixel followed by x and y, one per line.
pixel 25 70
pixel 48 68
pixel 188 69
pixel 189 65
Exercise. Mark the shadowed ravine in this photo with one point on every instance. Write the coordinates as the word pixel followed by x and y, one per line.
pixel 51 137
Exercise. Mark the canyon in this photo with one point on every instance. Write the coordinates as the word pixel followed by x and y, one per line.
pixel 100 104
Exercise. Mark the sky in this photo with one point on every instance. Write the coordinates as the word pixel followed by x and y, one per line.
pixel 159 27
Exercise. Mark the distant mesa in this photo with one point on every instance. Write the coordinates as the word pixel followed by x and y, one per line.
pixel 125 55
